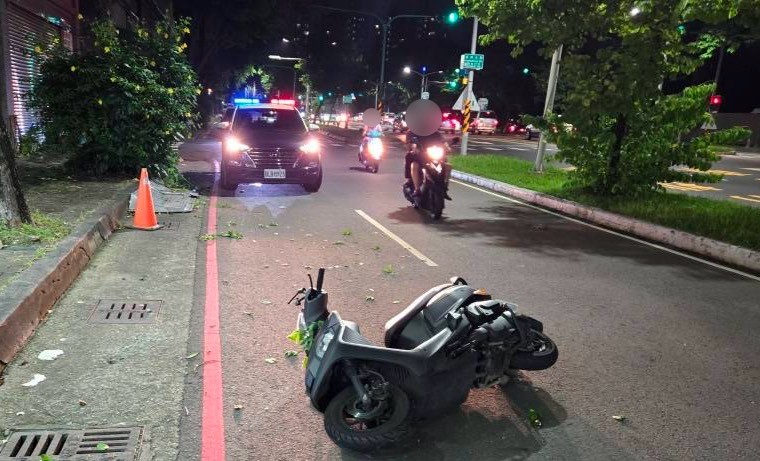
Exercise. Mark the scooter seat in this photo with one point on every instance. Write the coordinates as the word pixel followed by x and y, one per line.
pixel 397 323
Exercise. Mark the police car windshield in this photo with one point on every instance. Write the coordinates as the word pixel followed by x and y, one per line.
pixel 260 119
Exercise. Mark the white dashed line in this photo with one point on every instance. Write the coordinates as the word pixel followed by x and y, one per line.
pixel 397 239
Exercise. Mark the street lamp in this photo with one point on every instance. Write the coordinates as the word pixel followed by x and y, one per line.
pixel 408 70
pixel 285 40
pixel 385 23
pixel 277 57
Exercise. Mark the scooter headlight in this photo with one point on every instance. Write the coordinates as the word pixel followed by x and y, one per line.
pixel 324 343
pixel 376 148
pixel 435 153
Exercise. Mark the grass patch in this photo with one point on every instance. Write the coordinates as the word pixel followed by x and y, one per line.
pixel 45 230
pixel 723 149
pixel 717 219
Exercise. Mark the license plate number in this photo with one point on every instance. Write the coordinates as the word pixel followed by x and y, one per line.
pixel 274 174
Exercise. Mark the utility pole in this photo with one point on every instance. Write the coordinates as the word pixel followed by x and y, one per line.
pixel 306 107
pixel 468 96
pixel 385 25
pixel 548 107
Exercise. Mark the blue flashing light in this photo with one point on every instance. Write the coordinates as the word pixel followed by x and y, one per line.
pixel 246 101
pixel 424 69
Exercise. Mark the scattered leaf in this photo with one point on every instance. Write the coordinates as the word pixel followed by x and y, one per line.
pixel 262 225
pixel 45 458
pixel 207 237
pixel 273 224
pixel 248 313
pixel 307 267
pixel 232 234
pixel 20 413
pixel 376 247
pixel 388 270
pixel 346 232
pixel 291 353
pixel 238 407
pixel 618 417
pixel 192 356
pixel 266 302
pixel 270 360
pixel 397 302
pixel 102 446
pixel 338 242
pixel 370 299
pixel 82 403
pixel 231 223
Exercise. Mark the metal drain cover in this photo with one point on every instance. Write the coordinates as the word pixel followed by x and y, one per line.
pixel 102 444
pixel 169 225
pixel 125 311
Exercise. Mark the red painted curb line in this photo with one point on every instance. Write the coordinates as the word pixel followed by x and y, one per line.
pixel 212 414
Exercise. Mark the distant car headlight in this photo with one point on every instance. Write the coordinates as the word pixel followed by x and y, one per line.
pixel 435 153
pixel 324 343
pixel 232 144
pixel 311 147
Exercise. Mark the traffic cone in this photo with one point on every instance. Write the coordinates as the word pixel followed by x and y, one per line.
pixel 145 213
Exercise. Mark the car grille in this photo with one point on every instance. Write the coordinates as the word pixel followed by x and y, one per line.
pixel 273 158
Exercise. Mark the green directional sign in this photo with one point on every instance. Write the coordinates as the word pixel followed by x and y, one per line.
pixel 471 61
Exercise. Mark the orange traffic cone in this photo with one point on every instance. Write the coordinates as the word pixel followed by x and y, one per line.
pixel 145 213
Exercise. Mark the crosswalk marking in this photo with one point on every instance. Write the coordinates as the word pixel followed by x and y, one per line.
pixel 723 172
pixel 687 186
pixel 748 199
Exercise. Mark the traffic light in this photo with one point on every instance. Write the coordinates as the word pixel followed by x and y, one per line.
pixel 452 18
pixel 452 84
pixel 321 98
pixel 525 71
pixel 465 80
pixel 716 100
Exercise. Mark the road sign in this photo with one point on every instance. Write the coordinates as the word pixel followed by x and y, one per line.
pixel 459 105
pixel 483 103
pixel 471 61
pixel 425 95
pixel 711 124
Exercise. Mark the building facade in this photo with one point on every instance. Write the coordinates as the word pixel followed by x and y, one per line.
pixel 25 24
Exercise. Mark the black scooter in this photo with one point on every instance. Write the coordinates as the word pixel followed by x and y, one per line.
pixel 449 340
pixel 435 171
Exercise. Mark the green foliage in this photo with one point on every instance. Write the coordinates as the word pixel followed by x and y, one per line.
pixel 122 104
pixel 718 219
pixel 626 133
pixel 44 229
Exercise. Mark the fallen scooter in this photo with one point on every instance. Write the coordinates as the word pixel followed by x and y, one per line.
pixel 450 339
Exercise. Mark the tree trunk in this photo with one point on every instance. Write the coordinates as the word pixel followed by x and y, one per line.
pixel 13 207
pixel 613 165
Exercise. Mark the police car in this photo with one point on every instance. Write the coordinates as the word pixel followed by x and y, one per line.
pixel 268 142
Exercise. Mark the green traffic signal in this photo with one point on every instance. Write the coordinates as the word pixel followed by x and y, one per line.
pixel 453 84
pixel 452 17
pixel 681 29
pixel 525 71
pixel 321 98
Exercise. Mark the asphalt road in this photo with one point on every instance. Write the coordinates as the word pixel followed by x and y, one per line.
pixel 741 172
pixel 668 342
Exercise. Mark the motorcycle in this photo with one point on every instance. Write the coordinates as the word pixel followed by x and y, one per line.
pixel 449 340
pixel 371 152
pixel 435 171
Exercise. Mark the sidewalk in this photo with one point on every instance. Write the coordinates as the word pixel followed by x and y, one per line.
pixel 127 374
pixel 49 190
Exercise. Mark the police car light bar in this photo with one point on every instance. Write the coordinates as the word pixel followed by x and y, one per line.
pixel 246 101
pixel 287 102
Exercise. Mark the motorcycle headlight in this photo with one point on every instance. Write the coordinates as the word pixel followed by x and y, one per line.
pixel 435 153
pixel 324 343
pixel 376 148
pixel 311 147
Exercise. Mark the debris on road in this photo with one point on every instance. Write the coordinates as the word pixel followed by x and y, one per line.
pixel 534 418
pixel 232 234
pixel 82 403
pixel 388 270
pixel 20 413
pixel 35 380
pixel 346 232
pixel 270 360
pixel 370 299
pixel 50 354
pixel 620 418
pixel 102 446
pixel 238 407
pixel 207 237
pixel 291 353
pixel 266 302
pixel 192 356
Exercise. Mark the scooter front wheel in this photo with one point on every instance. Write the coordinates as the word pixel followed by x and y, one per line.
pixel 353 427
pixel 539 354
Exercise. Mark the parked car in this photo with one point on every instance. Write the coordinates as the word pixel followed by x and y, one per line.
pixel 484 122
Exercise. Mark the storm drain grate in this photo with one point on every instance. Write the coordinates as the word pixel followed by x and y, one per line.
pixel 121 311
pixel 169 225
pixel 106 444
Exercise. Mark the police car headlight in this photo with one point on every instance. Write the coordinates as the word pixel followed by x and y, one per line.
pixel 232 144
pixel 311 147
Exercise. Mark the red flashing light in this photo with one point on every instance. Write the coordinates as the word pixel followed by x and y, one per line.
pixel 286 102
pixel 716 100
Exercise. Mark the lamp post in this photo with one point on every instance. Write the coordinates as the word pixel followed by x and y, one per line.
pixel 276 57
pixel 385 24
pixel 423 88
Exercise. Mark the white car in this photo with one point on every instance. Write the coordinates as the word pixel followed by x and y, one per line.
pixel 485 122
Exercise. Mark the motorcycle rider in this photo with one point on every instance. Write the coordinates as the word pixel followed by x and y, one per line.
pixel 416 146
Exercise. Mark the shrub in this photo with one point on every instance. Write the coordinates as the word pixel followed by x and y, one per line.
pixel 122 103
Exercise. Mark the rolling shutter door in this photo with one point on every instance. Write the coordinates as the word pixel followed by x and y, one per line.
pixel 25 30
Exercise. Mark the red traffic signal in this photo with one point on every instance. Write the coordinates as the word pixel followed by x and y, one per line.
pixel 716 100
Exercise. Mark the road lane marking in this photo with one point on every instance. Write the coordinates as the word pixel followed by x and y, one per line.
pixel 493 148
pixel 481 142
pixel 751 169
pixel 685 186
pixel 517 148
pixel 609 231
pixel 756 198
pixel 212 419
pixel 723 172
pixel 397 239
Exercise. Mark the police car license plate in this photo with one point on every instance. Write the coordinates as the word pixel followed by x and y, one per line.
pixel 274 174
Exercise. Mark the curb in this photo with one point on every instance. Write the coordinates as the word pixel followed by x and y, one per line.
pixel 27 299
pixel 719 251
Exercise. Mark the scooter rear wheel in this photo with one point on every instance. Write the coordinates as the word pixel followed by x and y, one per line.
pixel 540 354
pixel 387 427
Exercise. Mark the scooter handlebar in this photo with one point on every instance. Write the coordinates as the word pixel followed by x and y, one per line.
pixel 320 279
